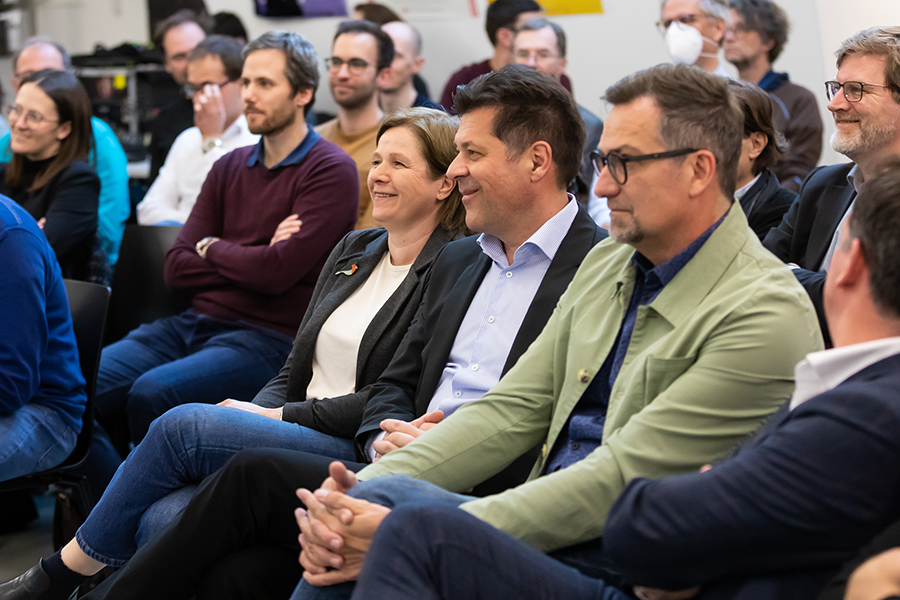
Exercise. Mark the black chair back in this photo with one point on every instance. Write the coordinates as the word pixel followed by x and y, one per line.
pixel 139 293
pixel 88 303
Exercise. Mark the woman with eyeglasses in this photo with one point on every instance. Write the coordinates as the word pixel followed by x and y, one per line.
pixel 48 174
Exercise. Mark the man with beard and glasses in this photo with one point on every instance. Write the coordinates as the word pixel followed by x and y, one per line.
pixel 361 54
pixel 250 252
pixel 865 102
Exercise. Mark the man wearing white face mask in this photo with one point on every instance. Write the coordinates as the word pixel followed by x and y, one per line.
pixel 694 30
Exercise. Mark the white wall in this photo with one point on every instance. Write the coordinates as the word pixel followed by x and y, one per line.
pixel 602 48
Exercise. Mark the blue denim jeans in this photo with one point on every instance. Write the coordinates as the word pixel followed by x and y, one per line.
pixel 184 446
pixel 430 550
pixel 183 359
pixel 32 439
pixel 400 490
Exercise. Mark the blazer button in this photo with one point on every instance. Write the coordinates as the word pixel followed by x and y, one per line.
pixel 544 450
pixel 584 376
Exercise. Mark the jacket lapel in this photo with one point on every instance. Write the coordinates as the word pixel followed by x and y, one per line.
pixel 340 288
pixel 832 208
pixel 391 309
pixel 575 245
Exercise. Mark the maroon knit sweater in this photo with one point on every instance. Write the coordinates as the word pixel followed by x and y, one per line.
pixel 243 278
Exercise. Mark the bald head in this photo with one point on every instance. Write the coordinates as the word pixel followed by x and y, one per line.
pixel 36 57
pixel 404 34
pixel 408 59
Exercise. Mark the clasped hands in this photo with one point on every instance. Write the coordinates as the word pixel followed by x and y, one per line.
pixel 400 433
pixel 335 529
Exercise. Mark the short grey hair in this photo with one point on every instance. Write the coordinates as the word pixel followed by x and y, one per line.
pixel 697 111
pixel 301 60
pixel 45 40
pixel 716 8
pixel 538 24
pixel 876 41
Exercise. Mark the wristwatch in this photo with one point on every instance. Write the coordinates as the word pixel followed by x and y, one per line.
pixel 210 143
pixel 203 245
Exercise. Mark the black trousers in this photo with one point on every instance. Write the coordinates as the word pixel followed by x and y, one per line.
pixel 236 539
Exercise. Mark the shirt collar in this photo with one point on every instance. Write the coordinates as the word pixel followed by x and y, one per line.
pixel 547 239
pixel 238 128
pixel 824 370
pixel 258 154
pixel 738 194
pixel 855 177
pixel 667 271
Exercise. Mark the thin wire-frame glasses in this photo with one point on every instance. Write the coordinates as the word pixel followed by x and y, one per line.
pixel 853 90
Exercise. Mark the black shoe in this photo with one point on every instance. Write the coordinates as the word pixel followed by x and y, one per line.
pixel 33 584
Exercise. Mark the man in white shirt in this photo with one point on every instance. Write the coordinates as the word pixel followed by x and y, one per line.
pixel 214 68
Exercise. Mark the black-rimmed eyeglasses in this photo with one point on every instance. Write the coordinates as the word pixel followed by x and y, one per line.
pixel 616 162
pixel 853 90
pixel 355 65
pixel 191 90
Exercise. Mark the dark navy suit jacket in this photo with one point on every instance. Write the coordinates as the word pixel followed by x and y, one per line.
pixel 778 518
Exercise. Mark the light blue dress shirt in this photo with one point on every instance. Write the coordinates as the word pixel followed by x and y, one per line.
pixel 495 315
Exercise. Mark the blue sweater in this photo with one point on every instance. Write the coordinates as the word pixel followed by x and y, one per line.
pixel 38 355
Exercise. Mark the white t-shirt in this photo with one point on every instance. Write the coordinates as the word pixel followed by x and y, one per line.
pixel 337 346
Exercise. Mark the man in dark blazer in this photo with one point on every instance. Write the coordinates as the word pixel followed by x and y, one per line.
pixel 775 520
pixel 424 366
pixel 407 386
pixel 867 119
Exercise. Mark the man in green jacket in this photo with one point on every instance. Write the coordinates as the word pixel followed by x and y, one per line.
pixel 673 342
pixel 675 339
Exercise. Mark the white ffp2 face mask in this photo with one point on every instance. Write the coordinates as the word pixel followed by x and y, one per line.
pixel 685 43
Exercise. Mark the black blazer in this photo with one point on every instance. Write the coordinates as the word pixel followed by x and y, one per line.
pixel 69 202
pixel 406 387
pixel 340 416
pixel 766 203
pixel 805 233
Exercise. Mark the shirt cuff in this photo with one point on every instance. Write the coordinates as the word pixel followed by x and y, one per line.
pixel 370 445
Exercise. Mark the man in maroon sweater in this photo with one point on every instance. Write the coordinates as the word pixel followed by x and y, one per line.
pixel 264 223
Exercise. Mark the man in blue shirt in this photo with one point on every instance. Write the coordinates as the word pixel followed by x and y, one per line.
pixel 108 158
pixel 42 393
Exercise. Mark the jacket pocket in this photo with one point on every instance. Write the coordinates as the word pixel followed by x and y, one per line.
pixel 661 372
